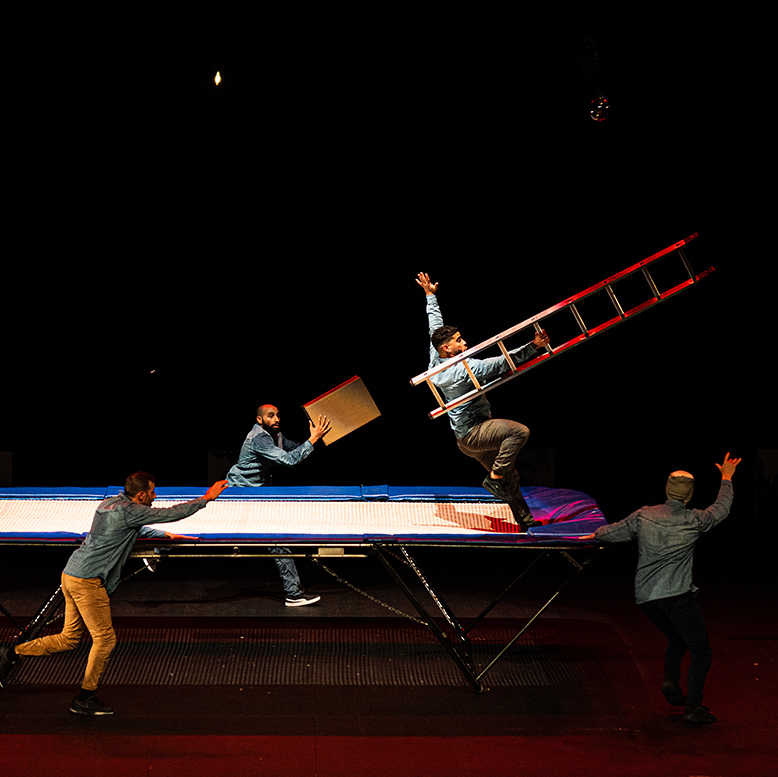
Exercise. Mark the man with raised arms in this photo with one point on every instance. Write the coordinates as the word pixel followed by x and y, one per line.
pixel 493 442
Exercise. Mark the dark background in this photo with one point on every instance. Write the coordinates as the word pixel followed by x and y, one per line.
pixel 177 253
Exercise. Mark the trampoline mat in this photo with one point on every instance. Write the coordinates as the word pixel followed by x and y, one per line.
pixel 321 515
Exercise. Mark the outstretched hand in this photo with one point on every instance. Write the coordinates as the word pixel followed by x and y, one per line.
pixel 214 491
pixel 319 429
pixel 424 281
pixel 728 466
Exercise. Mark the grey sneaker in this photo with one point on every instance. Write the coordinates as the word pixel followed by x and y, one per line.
pixel 90 706
pixel 301 601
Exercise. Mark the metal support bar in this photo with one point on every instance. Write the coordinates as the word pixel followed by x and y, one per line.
pixel 41 619
pixel 10 617
pixel 570 578
pixel 459 648
pixel 464 663
pixel 505 592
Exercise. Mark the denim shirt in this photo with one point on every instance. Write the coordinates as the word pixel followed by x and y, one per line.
pixel 455 381
pixel 260 454
pixel 118 522
pixel 666 536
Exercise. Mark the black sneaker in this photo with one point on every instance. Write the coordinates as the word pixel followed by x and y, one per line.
pixel 673 693
pixel 90 706
pixel 8 659
pixel 496 488
pixel 528 524
pixel 699 715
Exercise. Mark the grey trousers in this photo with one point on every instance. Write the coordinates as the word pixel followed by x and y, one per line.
pixel 496 444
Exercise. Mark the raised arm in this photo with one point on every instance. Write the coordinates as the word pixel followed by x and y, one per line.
pixel 424 281
pixel 434 317
pixel 728 467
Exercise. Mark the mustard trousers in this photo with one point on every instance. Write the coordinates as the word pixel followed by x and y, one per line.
pixel 87 608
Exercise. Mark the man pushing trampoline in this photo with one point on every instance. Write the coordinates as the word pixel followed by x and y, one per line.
pixel 92 574
pixel 666 536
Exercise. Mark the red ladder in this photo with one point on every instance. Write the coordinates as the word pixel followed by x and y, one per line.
pixel 569 304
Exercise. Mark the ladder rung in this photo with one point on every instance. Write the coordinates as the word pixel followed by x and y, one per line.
pixel 508 357
pixel 615 301
pixel 579 320
pixel 651 284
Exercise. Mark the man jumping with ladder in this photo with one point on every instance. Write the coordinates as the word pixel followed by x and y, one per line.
pixel 494 442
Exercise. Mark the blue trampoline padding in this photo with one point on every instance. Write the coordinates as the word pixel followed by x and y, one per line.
pixel 66 492
pixel 261 493
pixel 427 494
pixel 49 535
pixel 294 494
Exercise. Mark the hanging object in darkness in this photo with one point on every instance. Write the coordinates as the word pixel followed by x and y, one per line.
pixel 599 107
pixel 591 72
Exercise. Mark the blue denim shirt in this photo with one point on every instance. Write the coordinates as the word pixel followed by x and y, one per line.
pixel 666 536
pixel 455 381
pixel 260 454
pixel 118 522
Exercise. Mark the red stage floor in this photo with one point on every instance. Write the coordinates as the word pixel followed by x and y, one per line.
pixel 581 696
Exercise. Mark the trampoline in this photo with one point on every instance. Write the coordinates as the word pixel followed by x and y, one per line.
pixel 382 522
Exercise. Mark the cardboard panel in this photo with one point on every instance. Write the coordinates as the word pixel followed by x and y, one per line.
pixel 347 406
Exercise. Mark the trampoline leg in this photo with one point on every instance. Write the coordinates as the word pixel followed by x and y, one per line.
pixel 505 592
pixel 41 618
pixel 464 662
pixel 10 617
pixel 579 567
